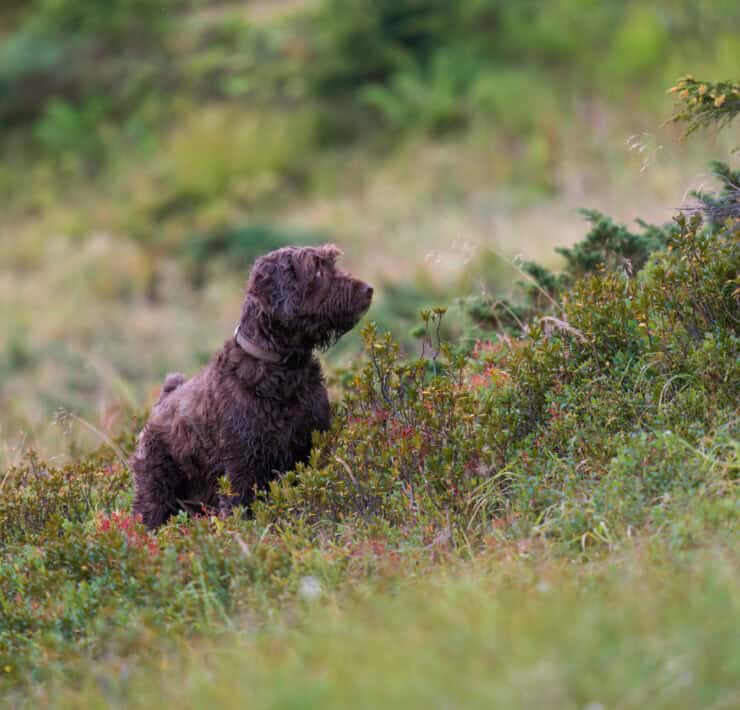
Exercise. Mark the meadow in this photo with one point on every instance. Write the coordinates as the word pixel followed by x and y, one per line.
pixel 529 494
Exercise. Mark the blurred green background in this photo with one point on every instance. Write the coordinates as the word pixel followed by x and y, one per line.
pixel 150 150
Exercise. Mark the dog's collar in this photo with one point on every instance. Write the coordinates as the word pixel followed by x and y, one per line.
pixel 292 359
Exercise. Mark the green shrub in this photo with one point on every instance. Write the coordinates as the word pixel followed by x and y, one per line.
pixel 652 477
pixel 116 23
pixel 364 43
pixel 719 208
pixel 606 246
pixel 40 499
pixel 442 64
pixel 505 95
pixel 18 354
pixel 246 156
pixel 705 103
pixel 68 52
pixel 412 448
pixel 72 132
pixel 432 99
pixel 640 43
pixel 23 58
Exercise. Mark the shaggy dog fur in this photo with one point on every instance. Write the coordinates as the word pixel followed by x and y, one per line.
pixel 249 414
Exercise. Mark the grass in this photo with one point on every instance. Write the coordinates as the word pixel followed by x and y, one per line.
pixel 508 629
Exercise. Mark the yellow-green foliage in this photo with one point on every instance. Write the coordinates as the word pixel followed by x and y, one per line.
pixel 705 103
pixel 230 154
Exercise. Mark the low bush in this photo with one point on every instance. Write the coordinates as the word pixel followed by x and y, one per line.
pixel 247 157
pixel 705 103
pixel 607 246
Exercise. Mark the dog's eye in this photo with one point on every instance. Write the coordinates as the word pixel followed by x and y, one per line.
pixel 318 273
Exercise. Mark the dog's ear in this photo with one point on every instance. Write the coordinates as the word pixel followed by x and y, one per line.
pixel 330 251
pixel 263 283
pixel 272 282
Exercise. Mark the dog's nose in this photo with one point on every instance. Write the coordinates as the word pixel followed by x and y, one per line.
pixel 367 290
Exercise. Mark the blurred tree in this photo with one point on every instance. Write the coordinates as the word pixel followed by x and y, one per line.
pixel 69 50
pixel 115 23
pixel 366 41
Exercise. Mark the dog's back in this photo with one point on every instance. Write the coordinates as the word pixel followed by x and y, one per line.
pixel 171 382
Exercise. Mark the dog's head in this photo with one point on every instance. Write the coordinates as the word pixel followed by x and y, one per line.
pixel 305 295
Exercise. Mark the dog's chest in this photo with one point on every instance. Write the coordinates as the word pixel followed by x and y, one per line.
pixel 276 432
pixel 282 424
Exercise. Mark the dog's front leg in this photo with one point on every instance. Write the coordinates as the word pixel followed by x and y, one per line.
pixel 236 488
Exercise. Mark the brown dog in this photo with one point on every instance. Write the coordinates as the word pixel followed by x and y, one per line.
pixel 249 414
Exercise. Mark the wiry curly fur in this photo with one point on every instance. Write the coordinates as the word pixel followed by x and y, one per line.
pixel 243 416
